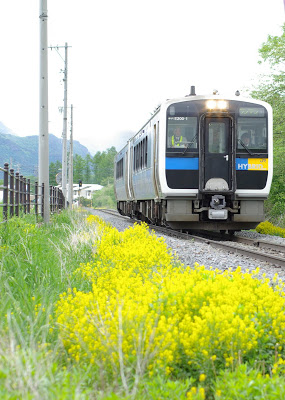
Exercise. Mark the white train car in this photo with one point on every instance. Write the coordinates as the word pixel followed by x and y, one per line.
pixel 200 162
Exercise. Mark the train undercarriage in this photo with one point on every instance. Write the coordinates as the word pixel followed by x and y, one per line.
pixel 212 212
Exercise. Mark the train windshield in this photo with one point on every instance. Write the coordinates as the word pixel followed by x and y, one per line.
pixel 252 129
pixel 182 134
pixel 250 121
pixel 251 134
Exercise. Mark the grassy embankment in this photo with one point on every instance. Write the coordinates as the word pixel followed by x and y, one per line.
pixel 91 313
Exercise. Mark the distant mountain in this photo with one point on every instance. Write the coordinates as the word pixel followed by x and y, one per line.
pixel 4 129
pixel 22 152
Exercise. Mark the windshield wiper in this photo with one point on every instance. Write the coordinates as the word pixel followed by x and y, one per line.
pixel 244 146
pixel 247 149
pixel 189 144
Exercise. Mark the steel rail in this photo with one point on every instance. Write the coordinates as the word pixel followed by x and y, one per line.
pixel 231 248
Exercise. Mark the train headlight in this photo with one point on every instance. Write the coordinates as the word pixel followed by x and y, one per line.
pixel 222 104
pixel 211 104
pixel 217 104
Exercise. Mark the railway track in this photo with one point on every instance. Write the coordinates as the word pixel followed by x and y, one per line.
pixel 263 250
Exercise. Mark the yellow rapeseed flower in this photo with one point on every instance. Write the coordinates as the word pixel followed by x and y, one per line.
pixel 142 304
pixel 202 377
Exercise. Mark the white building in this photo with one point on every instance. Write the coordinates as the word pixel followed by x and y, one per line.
pixel 86 190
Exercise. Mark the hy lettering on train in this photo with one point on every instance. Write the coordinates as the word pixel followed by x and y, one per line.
pixel 252 164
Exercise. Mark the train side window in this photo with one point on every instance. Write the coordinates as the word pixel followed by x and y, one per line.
pixel 146 152
pixel 136 158
pixel 119 169
pixel 140 160
pixel 140 155
pixel 143 165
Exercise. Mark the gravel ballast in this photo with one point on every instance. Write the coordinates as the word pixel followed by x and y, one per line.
pixel 190 252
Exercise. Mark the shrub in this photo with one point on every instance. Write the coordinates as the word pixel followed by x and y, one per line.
pixel 104 198
pixel 269 229
pixel 147 313
pixel 85 202
pixel 249 384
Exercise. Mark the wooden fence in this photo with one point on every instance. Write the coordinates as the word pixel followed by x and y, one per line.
pixel 21 196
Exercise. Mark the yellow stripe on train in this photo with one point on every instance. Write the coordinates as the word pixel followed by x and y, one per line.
pixel 258 164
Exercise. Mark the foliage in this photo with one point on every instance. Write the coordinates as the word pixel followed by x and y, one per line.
pixel 273 49
pixel 88 167
pixel 164 389
pixel 104 198
pixel 78 168
pixel 54 169
pixel 142 327
pixel 36 373
pixel 146 315
pixel 272 89
pixel 275 205
pixel 99 169
pixel 249 384
pixel 103 166
pixel 269 229
pixel 36 264
pixel 85 202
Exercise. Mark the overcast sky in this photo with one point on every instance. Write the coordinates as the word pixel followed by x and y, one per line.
pixel 126 57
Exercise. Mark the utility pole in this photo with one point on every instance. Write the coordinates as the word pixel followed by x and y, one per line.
pixel 64 130
pixel 43 112
pixel 70 180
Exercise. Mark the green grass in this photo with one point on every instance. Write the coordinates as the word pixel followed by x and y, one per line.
pixel 104 198
pixel 36 265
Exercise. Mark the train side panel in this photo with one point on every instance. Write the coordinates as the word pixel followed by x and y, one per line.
pixel 142 170
pixel 121 175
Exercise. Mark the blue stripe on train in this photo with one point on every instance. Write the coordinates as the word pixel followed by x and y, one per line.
pixel 182 163
pixel 242 164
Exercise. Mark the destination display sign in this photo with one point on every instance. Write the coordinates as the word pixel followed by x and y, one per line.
pixel 251 112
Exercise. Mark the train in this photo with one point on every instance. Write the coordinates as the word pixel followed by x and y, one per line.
pixel 201 162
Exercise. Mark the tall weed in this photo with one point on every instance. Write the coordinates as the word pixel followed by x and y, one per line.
pixel 36 264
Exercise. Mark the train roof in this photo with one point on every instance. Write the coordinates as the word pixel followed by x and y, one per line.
pixel 213 96
pixel 193 97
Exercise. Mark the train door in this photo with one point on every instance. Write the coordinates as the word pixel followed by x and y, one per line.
pixel 154 162
pixel 128 172
pixel 217 154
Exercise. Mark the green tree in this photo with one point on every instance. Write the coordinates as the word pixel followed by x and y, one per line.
pixel 104 198
pixel 88 170
pixel 54 169
pixel 78 168
pixel 272 87
pixel 103 166
pixel 272 90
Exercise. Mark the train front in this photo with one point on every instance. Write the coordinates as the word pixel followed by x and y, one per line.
pixel 218 162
